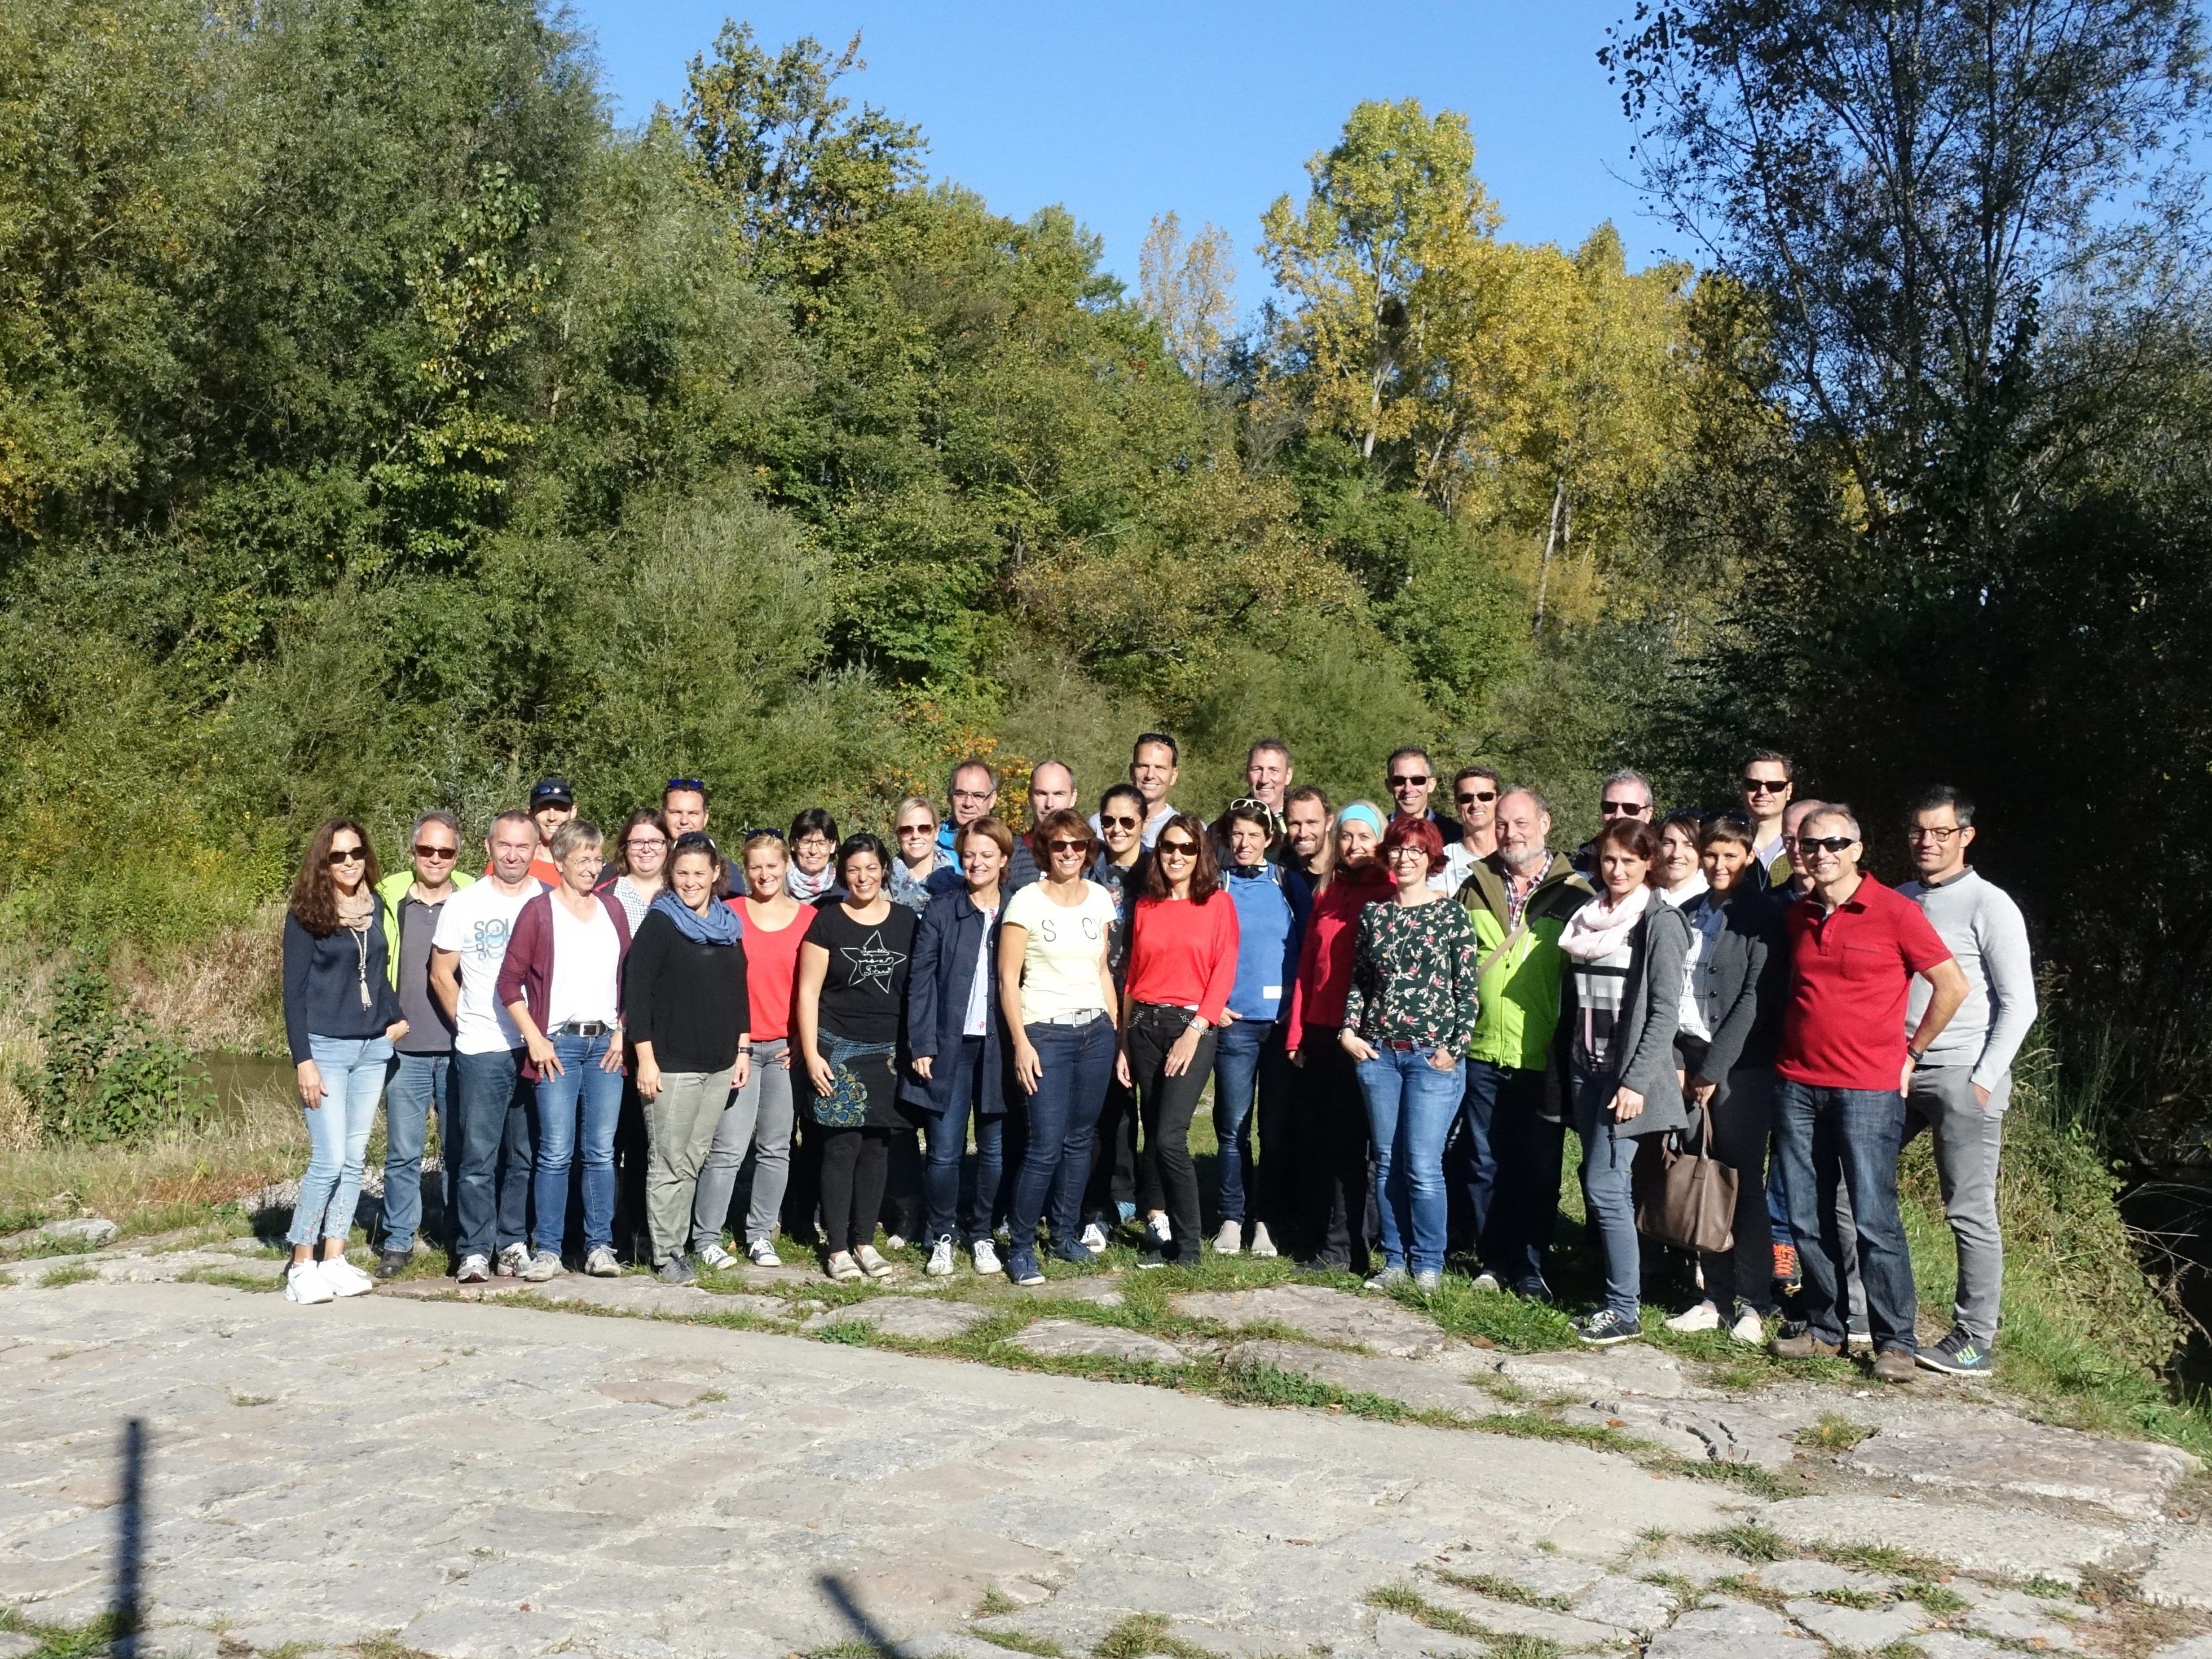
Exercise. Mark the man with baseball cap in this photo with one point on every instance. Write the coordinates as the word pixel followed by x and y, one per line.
pixel 552 804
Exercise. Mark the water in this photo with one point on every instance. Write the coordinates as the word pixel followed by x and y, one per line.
pixel 239 1079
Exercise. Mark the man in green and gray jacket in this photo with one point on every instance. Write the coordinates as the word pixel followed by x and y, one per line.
pixel 1504 1170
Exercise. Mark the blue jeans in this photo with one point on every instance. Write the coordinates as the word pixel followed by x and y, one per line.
pixel 1828 1138
pixel 420 1084
pixel 948 1143
pixel 353 1071
pixel 1076 1063
pixel 491 1193
pixel 581 1091
pixel 1237 1051
pixel 1410 1106
pixel 1607 1157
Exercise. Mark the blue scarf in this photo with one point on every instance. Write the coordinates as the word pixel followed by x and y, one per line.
pixel 719 926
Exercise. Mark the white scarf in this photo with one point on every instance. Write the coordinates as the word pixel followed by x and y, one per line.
pixel 1595 932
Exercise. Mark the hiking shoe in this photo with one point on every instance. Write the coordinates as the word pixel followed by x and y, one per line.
pixel 1261 1245
pixel 1428 1281
pixel 1389 1280
pixel 1959 1355
pixel 1094 1239
pixel 676 1271
pixel 1230 1241
pixel 1786 1270
pixel 545 1265
pixel 714 1256
pixel 304 1282
pixel 894 1241
pixel 985 1255
pixel 841 1268
pixel 1022 1268
pixel 1485 1281
pixel 1605 1327
pixel 872 1264
pixel 473 1270
pixel 1703 1317
pixel 512 1260
pixel 600 1263
pixel 761 1253
pixel 940 1259
pixel 1895 1365
pixel 392 1263
pixel 1749 1327
pixel 1797 1341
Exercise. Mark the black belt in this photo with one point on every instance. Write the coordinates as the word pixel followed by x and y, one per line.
pixel 582 1028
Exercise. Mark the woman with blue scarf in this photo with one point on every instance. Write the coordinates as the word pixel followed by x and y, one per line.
pixel 689 1019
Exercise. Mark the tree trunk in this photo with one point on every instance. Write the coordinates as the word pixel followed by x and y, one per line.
pixel 1550 540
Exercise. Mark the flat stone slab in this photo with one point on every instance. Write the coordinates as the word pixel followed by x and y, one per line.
pixel 1554 1577
pixel 2015 1542
pixel 1998 1454
pixel 1695 1566
pixel 2013 1618
pixel 95 1230
pixel 913 1317
pixel 1100 1291
pixel 1324 1315
pixel 2181 1574
pixel 1716 1430
pixel 1627 1603
pixel 1732 1630
pixel 1810 1577
pixel 640 1293
pixel 1518 1619
pixel 1859 1627
pixel 1426 1385
pixel 1064 1339
pixel 1589 1373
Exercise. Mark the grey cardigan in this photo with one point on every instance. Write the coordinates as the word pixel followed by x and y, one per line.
pixel 1750 981
pixel 1641 1055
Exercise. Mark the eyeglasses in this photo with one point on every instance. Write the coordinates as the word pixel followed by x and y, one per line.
pixel 422 852
pixel 1940 836
pixel 1474 795
pixel 1404 850
pixel 635 843
pixel 1116 821
pixel 349 856
pixel 1069 846
pixel 1400 781
pixel 971 794
pixel 1764 786
pixel 1624 809
pixel 1178 849
pixel 1809 844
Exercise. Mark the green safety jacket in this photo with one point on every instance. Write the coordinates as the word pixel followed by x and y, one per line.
pixel 389 891
pixel 1520 983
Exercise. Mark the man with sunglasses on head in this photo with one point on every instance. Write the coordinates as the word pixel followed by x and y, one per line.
pixel 1475 790
pixel 409 901
pixel 1847 1061
pixel 683 807
pixel 1268 775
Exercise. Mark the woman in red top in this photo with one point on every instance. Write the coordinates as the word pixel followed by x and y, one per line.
pixel 1328 1111
pixel 1182 961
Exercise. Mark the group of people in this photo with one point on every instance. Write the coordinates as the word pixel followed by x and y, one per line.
pixel 978 1034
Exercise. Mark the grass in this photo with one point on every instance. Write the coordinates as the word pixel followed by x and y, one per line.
pixel 1752 1542
pixel 1834 1432
pixel 1499 1590
pixel 1145 1636
pixel 61 1641
pixel 1014 1641
pixel 1501 1644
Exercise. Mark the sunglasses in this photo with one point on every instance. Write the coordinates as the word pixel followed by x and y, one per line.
pixel 1623 809
pixel 906 830
pixel 1250 804
pixel 691 786
pixel 1178 849
pixel 1398 782
pixel 422 852
pixel 1474 795
pixel 1116 821
pixel 1069 846
pixel 1764 786
pixel 697 841
pixel 1825 843
pixel 349 855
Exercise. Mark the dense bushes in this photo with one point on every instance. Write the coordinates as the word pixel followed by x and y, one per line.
pixel 106 1075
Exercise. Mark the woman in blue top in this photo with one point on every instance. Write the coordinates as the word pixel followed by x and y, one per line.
pixel 1248 1050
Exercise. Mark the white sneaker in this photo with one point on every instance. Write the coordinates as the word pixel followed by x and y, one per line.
pixel 872 1264
pixel 894 1241
pixel 761 1253
pixel 1230 1241
pixel 940 1258
pixel 1158 1227
pixel 1261 1244
pixel 1749 1327
pixel 344 1278
pixel 987 1256
pixel 1703 1317
pixel 473 1270
pixel 601 1264
pixel 545 1265
pixel 513 1259
pixel 304 1282
pixel 1094 1239
pixel 844 1269
pixel 714 1256
pixel 1485 1282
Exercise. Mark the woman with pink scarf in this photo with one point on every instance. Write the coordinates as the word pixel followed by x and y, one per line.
pixel 1615 1047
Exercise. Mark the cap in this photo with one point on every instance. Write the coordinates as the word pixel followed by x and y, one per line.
pixel 554 790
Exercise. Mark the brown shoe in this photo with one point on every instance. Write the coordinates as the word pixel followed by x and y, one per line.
pixel 1798 1342
pixel 1894 1365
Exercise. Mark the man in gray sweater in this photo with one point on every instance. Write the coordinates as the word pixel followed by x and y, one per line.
pixel 1961 1086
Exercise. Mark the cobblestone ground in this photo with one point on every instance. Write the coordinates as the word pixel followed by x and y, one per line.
pixel 468 1479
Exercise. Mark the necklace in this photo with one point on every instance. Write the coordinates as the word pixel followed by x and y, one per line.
pixel 354 914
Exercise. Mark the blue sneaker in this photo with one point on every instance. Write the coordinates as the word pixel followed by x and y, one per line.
pixel 1128 1212
pixel 1959 1355
pixel 1022 1268
pixel 1072 1250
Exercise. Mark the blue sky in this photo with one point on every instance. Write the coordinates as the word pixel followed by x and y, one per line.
pixel 1120 112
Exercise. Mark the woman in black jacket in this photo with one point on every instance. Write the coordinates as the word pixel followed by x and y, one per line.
pixel 953 1039
pixel 1736 986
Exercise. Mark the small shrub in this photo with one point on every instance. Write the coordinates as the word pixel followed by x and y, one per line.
pixel 107 1074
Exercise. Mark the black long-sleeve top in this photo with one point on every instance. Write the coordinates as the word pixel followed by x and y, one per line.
pixel 323 980
pixel 688 1000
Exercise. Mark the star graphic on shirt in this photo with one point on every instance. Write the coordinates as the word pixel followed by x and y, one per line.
pixel 871 964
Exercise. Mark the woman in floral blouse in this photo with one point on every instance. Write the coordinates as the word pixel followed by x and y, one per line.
pixel 1406 1022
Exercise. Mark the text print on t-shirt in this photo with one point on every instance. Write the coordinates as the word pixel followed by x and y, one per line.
pixel 1047 926
pixel 872 964
pixel 490 943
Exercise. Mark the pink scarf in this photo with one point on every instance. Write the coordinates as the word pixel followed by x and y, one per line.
pixel 1595 932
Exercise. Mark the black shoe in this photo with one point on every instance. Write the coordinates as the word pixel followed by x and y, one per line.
pixel 1605 1327
pixel 392 1263
pixel 677 1270
pixel 1958 1355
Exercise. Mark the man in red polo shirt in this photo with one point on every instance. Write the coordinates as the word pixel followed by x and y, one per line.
pixel 1846 1062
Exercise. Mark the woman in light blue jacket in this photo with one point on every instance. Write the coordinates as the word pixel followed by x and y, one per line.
pixel 1248 1060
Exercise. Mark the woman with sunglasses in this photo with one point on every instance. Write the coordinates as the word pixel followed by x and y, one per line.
pixel 851 986
pixel 915 854
pixel 813 844
pixel 640 864
pixel 1328 1109
pixel 1182 963
pixel 1248 1061
pixel 1408 1017
pixel 341 1018
pixel 688 1015
pixel 1619 1001
pixel 1056 987
pixel 1109 1198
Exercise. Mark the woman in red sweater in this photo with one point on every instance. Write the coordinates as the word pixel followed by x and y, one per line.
pixel 1329 1113
pixel 1182 961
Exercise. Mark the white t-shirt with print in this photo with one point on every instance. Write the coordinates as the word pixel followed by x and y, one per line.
pixel 475 924
pixel 1066 942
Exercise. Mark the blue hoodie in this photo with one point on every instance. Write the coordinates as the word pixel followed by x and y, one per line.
pixel 1269 931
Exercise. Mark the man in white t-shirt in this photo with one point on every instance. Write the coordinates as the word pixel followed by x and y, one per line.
pixel 491 1106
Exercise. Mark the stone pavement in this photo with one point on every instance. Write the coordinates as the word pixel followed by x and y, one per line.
pixel 472 1479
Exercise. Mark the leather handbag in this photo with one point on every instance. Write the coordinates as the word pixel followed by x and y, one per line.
pixel 1685 1197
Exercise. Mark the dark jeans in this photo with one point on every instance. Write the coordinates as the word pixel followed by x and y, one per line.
pixel 1113 1157
pixel 1167 1181
pixel 421 1089
pixel 948 1143
pixel 903 1197
pixel 1608 1155
pixel 1075 1064
pixel 854 1162
pixel 1470 1160
pixel 1249 1065
pixel 1331 1127
pixel 1743 1110
pixel 1849 1137
pixel 1524 1209
pixel 491 1194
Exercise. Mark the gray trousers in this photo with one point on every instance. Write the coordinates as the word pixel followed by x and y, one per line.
pixel 1968 1136
pixel 758 1119
pixel 679 1127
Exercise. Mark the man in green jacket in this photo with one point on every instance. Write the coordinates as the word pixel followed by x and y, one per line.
pixel 1505 1160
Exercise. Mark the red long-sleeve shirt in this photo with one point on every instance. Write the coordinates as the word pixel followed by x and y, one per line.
pixel 1183 954
pixel 1325 960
